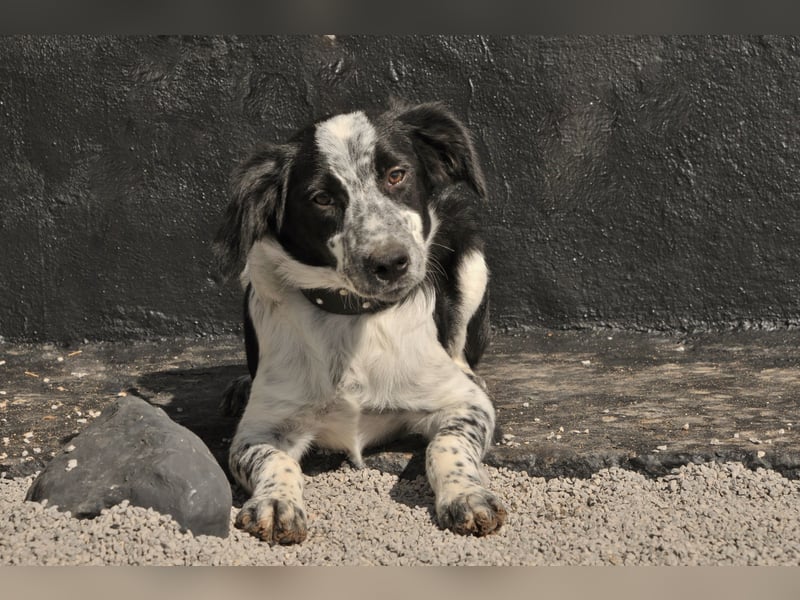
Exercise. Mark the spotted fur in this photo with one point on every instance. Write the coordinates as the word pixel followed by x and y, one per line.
pixel 378 206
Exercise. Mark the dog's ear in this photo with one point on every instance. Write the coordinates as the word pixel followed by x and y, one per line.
pixel 443 144
pixel 256 206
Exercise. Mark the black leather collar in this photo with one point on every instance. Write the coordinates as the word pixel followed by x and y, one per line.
pixel 342 302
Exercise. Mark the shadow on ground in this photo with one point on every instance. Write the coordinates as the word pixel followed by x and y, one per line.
pixel 568 402
pixel 192 398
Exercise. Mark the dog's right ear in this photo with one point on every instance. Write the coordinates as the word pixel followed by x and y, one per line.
pixel 443 144
pixel 256 206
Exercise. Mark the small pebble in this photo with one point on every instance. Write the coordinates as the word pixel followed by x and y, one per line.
pixel 71 464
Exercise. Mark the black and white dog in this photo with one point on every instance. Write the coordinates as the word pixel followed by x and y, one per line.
pixel 366 308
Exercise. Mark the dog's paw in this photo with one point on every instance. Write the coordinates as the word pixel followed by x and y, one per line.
pixel 273 520
pixel 477 512
pixel 235 396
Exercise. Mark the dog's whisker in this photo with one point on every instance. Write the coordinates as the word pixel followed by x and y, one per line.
pixel 434 243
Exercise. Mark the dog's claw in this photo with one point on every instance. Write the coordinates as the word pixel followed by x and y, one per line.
pixel 474 513
pixel 273 520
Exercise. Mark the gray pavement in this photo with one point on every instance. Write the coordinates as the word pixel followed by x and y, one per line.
pixel 568 402
pixel 613 448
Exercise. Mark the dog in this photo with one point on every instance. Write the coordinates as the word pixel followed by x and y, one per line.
pixel 366 309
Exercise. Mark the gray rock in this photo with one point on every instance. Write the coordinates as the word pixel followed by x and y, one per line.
pixel 135 452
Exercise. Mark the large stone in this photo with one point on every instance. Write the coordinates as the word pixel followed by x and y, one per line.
pixel 135 452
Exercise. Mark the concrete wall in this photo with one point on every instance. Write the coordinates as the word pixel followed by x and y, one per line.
pixel 640 182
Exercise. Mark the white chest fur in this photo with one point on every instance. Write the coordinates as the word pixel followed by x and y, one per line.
pixel 347 381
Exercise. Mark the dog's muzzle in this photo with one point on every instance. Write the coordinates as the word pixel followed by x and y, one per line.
pixel 387 264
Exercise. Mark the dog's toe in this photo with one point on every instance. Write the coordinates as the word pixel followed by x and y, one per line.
pixel 477 512
pixel 273 520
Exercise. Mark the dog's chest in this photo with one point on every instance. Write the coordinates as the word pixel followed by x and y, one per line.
pixel 348 381
pixel 385 361
pixel 379 377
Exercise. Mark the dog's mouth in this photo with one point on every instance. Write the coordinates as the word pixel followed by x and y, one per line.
pixel 384 295
pixel 392 297
pixel 373 288
pixel 389 282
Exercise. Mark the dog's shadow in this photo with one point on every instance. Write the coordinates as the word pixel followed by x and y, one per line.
pixel 193 397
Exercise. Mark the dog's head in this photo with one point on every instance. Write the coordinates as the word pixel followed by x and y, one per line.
pixel 352 195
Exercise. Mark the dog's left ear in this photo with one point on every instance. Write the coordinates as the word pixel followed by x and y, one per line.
pixel 256 205
pixel 444 145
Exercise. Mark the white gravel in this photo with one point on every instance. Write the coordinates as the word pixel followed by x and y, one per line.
pixel 719 514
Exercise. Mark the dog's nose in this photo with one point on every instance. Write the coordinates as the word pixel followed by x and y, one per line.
pixel 388 264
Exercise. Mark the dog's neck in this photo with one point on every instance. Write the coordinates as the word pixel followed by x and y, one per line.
pixel 343 302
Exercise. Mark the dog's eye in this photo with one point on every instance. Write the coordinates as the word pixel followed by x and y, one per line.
pixel 323 199
pixel 395 176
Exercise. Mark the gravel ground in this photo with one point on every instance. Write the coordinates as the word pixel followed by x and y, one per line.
pixel 715 514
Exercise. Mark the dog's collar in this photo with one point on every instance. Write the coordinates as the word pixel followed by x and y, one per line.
pixel 343 302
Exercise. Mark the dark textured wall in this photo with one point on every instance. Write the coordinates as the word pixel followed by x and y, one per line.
pixel 641 182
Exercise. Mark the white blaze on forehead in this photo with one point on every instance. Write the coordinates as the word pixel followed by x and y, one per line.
pixel 347 143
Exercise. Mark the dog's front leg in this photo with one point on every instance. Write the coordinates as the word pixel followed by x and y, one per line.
pixel 460 435
pixel 265 465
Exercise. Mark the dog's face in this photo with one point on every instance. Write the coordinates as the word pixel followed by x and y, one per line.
pixel 353 194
